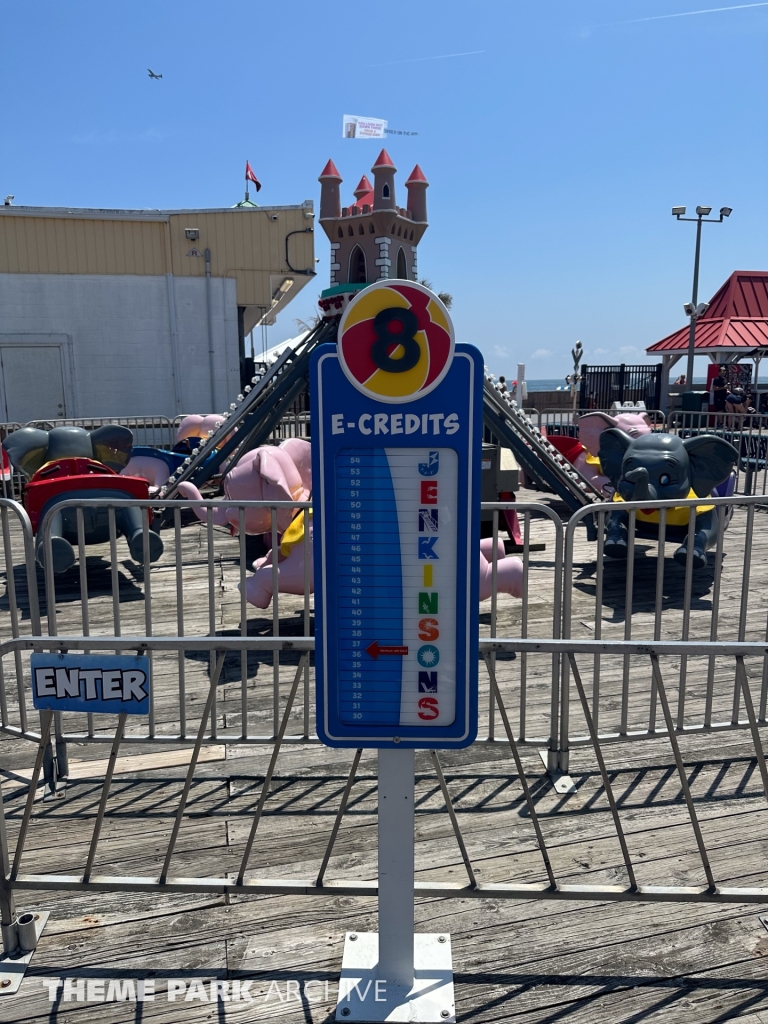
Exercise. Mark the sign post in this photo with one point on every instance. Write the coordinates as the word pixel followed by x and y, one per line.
pixel 397 433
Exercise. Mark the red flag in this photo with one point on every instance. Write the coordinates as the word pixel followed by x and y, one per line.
pixel 250 176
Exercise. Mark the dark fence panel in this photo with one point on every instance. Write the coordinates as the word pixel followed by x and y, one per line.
pixel 601 386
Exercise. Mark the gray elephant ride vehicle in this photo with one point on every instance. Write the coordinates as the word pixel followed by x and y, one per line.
pixel 69 462
pixel 657 467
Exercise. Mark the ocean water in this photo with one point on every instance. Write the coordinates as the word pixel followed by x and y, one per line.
pixel 557 382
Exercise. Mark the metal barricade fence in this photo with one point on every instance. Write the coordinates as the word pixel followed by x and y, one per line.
pixel 199 587
pixel 650 598
pixel 295 423
pixel 12 481
pixel 747 432
pixel 565 421
pixel 629 848
pixel 21 605
pixel 151 431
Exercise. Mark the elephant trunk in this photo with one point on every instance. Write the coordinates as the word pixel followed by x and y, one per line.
pixel 634 486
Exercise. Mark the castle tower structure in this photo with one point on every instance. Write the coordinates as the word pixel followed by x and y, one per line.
pixel 330 199
pixel 384 177
pixel 417 186
pixel 372 238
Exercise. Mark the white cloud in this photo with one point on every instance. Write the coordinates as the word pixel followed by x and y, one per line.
pixel 500 351
pixel 541 353
pixel 629 350
pixel 601 351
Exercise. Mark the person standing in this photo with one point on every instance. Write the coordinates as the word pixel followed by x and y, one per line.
pixel 719 394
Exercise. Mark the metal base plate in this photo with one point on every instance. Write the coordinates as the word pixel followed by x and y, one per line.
pixel 430 999
pixel 13 969
pixel 563 783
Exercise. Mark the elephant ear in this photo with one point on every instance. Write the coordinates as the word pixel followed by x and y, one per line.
pixel 712 459
pixel 27 449
pixel 613 447
pixel 112 445
pixel 591 426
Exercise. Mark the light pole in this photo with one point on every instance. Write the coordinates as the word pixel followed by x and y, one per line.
pixel 693 308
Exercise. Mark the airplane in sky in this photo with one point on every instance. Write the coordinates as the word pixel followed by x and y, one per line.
pixel 152 74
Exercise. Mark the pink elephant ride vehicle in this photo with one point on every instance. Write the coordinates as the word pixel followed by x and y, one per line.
pixel 156 465
pixel 509 570
pixel 271 473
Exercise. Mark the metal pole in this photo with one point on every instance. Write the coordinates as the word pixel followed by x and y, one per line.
pixel 694 303
pixel 208 302
pixel 396 870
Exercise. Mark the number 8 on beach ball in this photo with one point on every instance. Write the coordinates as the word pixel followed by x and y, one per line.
pixel 395 341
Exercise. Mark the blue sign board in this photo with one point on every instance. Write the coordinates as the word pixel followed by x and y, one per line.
pixel 100 683
pixel 397 507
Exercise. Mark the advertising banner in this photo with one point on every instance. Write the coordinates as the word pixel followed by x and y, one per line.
pixel 355 127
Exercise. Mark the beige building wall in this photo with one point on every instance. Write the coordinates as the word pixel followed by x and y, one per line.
pixel 111 312
pixel 257 246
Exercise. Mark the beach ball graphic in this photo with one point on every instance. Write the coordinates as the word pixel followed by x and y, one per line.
pixel 395 341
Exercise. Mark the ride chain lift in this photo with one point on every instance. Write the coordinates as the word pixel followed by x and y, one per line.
pixel 251 419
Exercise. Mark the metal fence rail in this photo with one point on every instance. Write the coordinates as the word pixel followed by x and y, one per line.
pixel 748 433
pixel 633 879
pixel 566 421
pixel 648 597
pixel 199 587
pixel 151 431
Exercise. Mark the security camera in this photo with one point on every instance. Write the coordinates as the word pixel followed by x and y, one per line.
pixel 273 216
pixel 689 309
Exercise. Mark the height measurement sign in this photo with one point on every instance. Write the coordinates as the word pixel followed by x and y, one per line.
pixel 397 433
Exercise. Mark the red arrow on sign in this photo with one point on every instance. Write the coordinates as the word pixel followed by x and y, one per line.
pixel 375 649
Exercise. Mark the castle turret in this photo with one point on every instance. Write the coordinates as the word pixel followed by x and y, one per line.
pixel 417 186
pixel 372 239
pixel 384 177
pixel 364 192
pixel 330 198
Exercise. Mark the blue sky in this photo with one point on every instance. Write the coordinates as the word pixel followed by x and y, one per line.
pixel 554 155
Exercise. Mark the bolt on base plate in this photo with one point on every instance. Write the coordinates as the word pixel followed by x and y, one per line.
pixel 429 1000
pixel 13 967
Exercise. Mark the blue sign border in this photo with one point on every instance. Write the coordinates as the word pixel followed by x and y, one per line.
pixel 461 392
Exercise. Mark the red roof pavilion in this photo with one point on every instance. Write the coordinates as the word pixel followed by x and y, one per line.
pixel 735 325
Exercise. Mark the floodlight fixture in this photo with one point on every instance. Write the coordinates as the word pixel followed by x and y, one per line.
pixel 695 309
